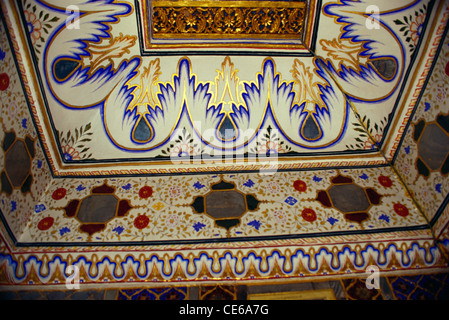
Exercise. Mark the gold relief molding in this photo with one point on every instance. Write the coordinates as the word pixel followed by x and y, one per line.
pixel 228 19
pixel 227 23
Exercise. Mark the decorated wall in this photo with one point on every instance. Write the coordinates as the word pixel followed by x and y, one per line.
pixel 191 142
pixel 422 159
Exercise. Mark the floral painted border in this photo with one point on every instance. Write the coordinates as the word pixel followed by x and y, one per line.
pixel 164 210
pixel 282 260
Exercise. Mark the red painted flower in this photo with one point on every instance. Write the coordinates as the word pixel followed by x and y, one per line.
pixel 145 192
pixel 400 209
pixel 141 221
pixel 385 181
pixel 447 69
pixel 300 185
pixel 45 223
pixel 308 215
pixel 4 81
pixel 59 193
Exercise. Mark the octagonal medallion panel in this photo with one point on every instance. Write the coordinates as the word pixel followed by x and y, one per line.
pixel 225 204
pixel 17 163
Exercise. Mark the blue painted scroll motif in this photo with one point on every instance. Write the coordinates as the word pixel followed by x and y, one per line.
pixel 142 114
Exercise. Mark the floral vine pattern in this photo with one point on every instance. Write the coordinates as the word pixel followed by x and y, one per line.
pixel 270 143
pixel 39 24
pixel 184 146
pixel 73 143
pixel 369 137
pixel 412 26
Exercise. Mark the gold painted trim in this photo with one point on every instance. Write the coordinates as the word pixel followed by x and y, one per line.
pixel 225 36
pixel 244 161
pixel 230 4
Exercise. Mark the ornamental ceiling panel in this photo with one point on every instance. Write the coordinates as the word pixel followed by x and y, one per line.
pixel 173 26
pixel 195 141
pixel 156 86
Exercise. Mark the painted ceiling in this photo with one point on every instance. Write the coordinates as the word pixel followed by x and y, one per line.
pixel 207 85
pixel 192 140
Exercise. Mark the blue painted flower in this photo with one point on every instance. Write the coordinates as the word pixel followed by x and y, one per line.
pixel 332 220
pixel 426 106
pixel 39 208
pixel 63 231
pixel 385 217
pixel 80 187
pixel 2 54
pixel 70 153
pixel 438 187
pixel 363 176
pixel 198 226
pixel 24 123
pixel 255 223
pixel 407 149
pixel 317 179
pixel 197 185
pixel 39 164
pixel 249 183
pixel 13 206
pixel 127 187
pixel 118 229
pixel 290 200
